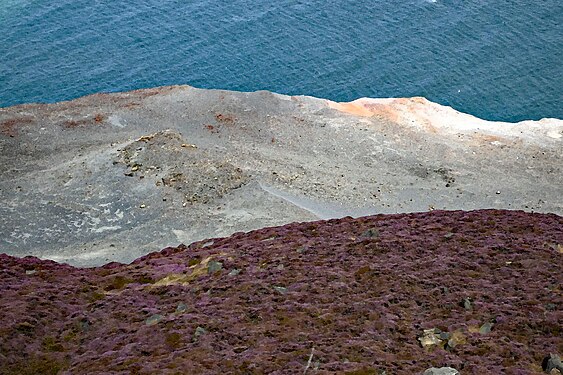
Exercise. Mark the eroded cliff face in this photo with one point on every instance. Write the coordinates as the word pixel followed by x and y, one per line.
pixel 111 177
pixel 427 116
pixel 477 291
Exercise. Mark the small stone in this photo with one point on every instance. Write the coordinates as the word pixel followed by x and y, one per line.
pixel 199 331
pixel 182 307
pixel 135 168
pixel 486 328
pixel 154 319
pixel 466 303
pixel 234 272
pixel 207 244
pixel 498 191
pixel 214 266
pixel 441 371
pixel 30 272
pixel 142 206
pixel 430 338
pixel 552 362
pixel 280 289
pixel 280 267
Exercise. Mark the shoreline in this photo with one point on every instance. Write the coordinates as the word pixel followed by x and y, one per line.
pixel 362 106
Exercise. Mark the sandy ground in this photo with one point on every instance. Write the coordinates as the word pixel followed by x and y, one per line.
pixel 111 177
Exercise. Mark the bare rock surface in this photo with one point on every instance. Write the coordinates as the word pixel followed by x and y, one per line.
pixel 111 177
pixel 345 296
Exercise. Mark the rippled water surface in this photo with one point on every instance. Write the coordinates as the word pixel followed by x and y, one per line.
pixel 497 59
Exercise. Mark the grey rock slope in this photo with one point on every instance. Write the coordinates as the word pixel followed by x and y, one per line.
pixel 111 177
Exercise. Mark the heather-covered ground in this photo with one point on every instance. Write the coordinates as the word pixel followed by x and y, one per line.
pixel 477 291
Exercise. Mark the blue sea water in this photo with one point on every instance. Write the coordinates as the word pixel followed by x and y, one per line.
pixel 496 59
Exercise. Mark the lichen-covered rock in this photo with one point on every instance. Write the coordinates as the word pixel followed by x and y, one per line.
pixel 360 302
pixel 431 338
pixel 552 363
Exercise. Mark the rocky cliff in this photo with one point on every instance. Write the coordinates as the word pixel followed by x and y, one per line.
pixel 111 177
